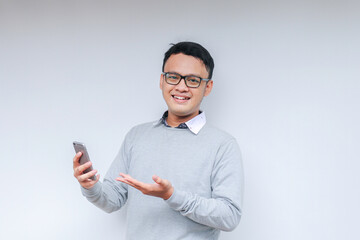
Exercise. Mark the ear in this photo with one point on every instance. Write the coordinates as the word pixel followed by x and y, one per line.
pixel 208 87
pixel 161 80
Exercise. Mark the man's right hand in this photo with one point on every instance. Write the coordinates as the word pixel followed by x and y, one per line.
pixel 84 178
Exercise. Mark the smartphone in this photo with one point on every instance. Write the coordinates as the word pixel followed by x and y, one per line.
pixel 80 147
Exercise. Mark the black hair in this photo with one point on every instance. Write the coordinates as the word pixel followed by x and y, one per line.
pixel 194 50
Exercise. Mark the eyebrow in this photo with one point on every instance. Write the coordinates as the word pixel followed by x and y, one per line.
pixel 190 75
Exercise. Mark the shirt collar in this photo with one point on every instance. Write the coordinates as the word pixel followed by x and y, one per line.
pixel 194 125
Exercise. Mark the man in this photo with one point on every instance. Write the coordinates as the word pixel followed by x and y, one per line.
pixel 199 183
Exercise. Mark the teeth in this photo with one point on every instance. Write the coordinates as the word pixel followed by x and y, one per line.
pixel 180 98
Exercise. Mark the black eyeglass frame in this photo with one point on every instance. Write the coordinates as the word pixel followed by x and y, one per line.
pixel 184 77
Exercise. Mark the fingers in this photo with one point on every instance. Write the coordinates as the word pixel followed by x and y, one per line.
pixel 84 179
pixel 80 169
pixel 126 178
pixel 127 182
pixel 89 183
pixel 131 181
pixel 87 176
pixel 76 159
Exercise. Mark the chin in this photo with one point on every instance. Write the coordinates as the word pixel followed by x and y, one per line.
pixel 181 112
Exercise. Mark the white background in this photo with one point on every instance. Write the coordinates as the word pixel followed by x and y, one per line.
pixel 286 85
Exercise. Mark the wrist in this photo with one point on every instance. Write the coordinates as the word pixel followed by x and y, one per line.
pixel 168 193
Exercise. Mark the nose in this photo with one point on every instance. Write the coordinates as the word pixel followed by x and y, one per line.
pixel 181 86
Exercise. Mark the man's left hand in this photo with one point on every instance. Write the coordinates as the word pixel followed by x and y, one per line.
pixel 162 188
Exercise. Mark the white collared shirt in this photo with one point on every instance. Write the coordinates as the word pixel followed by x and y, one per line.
pixel 195 124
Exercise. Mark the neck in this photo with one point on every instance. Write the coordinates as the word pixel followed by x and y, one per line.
pixel 174 120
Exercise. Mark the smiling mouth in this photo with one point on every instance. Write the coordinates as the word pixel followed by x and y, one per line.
pixel 180 98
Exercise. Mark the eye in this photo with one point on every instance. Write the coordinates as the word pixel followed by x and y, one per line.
pixel 172 76
pixel 193 80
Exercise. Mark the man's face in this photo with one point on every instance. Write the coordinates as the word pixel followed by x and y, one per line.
pixel 174 94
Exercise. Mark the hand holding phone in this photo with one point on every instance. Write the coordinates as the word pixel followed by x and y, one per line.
pixel 83 170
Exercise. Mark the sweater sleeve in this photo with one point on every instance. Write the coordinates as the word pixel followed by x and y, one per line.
pixel 111 195
pixel 223 210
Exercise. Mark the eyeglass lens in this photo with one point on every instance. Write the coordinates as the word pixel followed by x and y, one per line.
pixel 174 79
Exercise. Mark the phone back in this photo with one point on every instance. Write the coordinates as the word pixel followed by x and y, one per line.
pixel 80 147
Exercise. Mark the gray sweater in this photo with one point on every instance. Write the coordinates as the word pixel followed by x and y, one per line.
pixel 205 170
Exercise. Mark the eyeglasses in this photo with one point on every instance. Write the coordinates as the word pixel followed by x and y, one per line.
pixel 190 81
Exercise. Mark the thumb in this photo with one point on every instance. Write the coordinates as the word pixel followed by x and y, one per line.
pixel 157 179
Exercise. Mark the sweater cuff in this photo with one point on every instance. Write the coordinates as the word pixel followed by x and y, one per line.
pixel 177 200
pixel 91 192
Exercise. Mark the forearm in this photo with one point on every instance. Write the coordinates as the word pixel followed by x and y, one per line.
pixel 106 196
pixel 219 213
